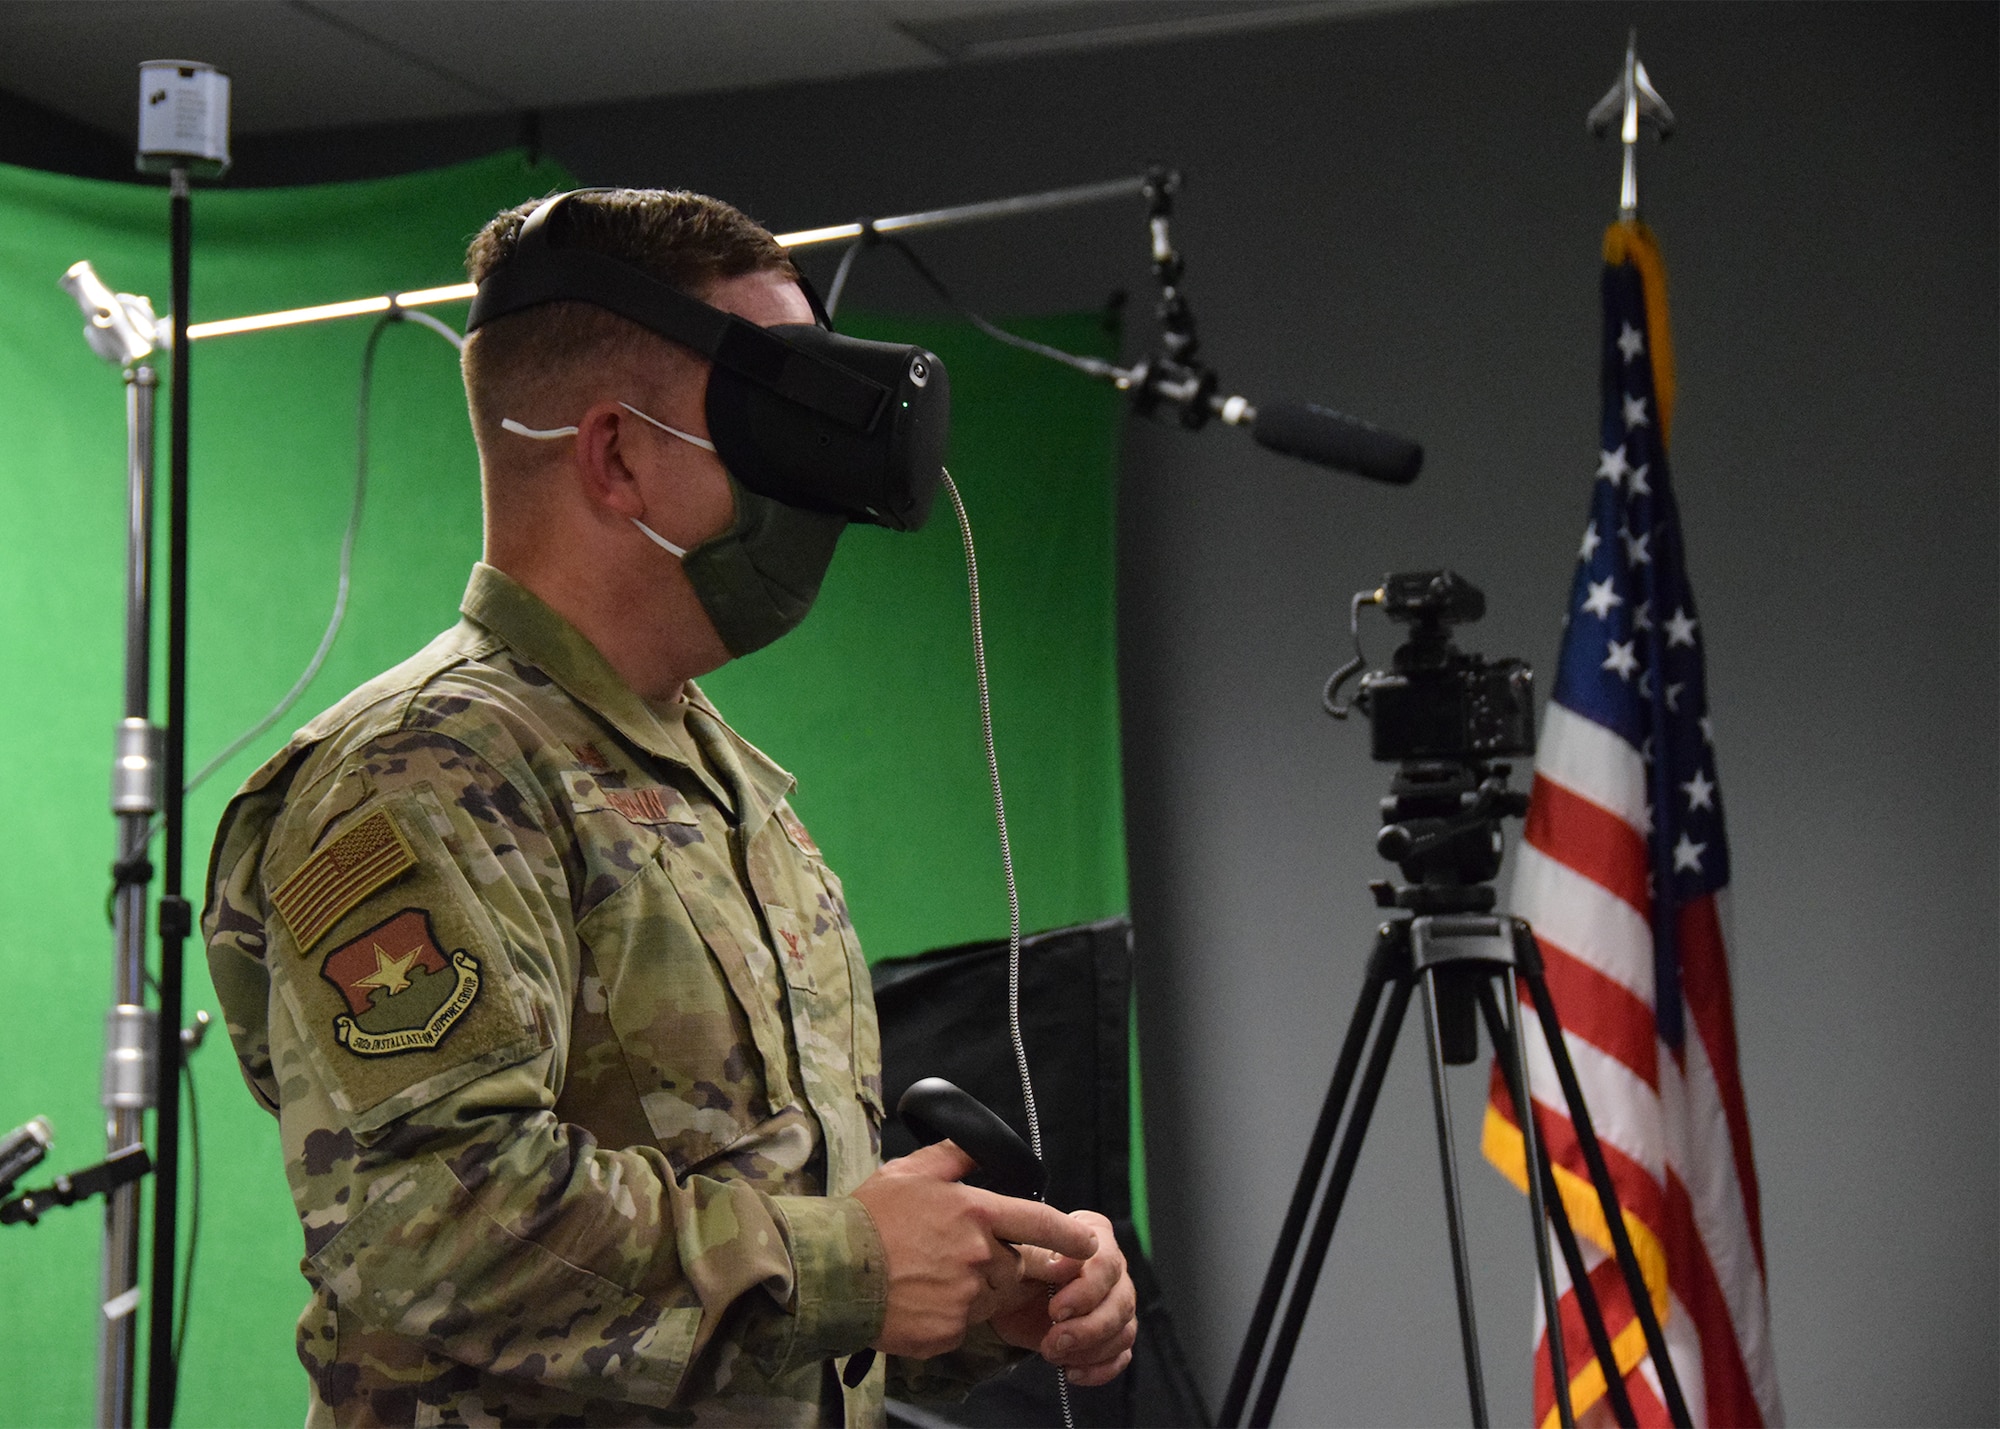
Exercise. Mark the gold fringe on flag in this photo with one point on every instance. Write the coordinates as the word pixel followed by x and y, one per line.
pixel 1632 242
pixel 1501 1142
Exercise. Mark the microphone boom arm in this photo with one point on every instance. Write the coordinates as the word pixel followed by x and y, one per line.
pixel 1174 380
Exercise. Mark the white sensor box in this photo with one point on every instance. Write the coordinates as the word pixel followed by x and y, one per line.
pixel 183 117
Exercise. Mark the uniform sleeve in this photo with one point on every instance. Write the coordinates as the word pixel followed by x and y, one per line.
pixel 422 959
pixel 945 1379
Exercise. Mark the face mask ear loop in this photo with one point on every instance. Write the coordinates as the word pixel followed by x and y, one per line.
pixel 549 434
pixel 540 434
pixel 689 437
pixel 657 539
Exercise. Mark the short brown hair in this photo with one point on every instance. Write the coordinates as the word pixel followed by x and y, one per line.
pixel 687 240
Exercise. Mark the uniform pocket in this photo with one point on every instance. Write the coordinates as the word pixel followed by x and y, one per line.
pixel 867 1036
pixel 691 1003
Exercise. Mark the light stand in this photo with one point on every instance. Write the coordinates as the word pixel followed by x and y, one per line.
pixel 121 329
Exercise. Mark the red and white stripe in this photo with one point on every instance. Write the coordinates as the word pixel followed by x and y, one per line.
pixel 1673 1125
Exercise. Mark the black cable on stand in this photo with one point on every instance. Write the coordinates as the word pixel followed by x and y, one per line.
pixel 176 914
pixel 183 133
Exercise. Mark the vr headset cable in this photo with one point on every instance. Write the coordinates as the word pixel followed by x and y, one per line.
pixel 1006 864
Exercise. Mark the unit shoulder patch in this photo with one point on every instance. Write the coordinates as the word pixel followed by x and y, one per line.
pixel 403 993
pixel 340 875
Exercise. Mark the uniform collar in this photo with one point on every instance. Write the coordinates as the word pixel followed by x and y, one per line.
pixel 496 601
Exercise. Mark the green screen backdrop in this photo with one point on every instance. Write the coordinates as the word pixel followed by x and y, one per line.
pixel 870 704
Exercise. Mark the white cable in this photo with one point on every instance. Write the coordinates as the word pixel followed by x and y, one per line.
pixel 1000 819
pixel 346 566
pixel 1006 868
pixel 442 329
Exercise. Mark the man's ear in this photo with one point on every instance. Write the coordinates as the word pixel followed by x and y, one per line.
pixel 607 447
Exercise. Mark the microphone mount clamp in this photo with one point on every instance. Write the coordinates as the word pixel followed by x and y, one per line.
pixel 1173 376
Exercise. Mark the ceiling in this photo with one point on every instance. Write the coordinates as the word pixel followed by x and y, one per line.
pixel 316 64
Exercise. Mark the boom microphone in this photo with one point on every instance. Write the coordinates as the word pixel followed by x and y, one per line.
pixel 1295 429
pixel 1329 438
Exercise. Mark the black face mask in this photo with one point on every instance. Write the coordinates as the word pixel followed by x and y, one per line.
pixel 800 414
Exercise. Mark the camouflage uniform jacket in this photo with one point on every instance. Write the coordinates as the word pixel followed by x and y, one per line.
pixel 571 1045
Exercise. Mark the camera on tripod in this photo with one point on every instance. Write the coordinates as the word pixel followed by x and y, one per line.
pixel 1437 701
pixel 1444 718
pixel 1442 715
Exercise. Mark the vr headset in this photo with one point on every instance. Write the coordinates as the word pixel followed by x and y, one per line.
pixel 798 413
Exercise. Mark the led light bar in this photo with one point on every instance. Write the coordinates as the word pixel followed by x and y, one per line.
pixel 803 238
pixel 325 312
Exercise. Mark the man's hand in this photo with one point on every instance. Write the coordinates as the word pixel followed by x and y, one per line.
pixel 1087 1327
pixel 950 1248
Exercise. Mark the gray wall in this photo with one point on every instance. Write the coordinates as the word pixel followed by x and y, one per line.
pixel 1398 214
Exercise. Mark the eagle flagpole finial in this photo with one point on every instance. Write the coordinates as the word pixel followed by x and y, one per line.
pixel 1631 103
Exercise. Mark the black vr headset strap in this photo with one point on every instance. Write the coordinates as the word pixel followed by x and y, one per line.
pixel 537 273
pixel 534 234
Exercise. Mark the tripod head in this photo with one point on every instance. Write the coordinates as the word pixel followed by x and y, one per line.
pixel 1441 828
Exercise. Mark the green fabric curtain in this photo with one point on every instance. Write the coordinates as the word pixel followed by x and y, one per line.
pixel 870 704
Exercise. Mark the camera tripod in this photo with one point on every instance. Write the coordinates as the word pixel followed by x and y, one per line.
pixel 1441 826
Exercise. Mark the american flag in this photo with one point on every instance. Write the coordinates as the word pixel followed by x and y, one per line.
pixel 1623 871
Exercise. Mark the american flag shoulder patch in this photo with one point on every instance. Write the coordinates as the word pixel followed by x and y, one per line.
pixel 340 875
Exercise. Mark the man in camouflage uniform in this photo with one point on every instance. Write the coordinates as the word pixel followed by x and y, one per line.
pixel 569 1037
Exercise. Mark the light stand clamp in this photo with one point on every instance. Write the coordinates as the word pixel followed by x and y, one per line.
pixel 117 1174
pixel 1172 376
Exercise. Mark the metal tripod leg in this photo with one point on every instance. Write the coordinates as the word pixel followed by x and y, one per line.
pixel 1391 962
pixel 1528 955
pixel 1510 1049
pixel 1461 1269
pixel 1286 1251
pixel 1406 952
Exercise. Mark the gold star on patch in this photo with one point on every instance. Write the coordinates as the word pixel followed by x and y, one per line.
pixel 391 974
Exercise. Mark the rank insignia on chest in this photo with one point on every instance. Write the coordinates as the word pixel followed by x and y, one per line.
pixel 403 992
pixel 798 832
pixel 794 949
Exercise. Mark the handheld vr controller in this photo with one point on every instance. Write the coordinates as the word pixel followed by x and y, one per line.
pixel 936 1110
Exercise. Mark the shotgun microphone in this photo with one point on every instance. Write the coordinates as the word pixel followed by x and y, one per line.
pixel 1329 438
pixel 1296 429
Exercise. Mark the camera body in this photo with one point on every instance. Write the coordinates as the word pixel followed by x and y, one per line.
pixel 1437 701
